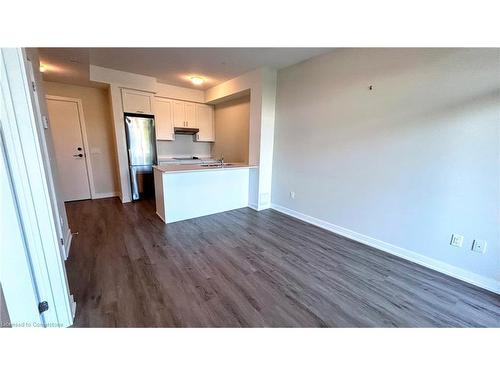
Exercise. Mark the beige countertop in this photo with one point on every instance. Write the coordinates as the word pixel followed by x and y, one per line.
pixel 182 168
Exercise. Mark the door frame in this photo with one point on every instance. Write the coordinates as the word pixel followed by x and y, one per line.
pixel 86 147
pixel 27 166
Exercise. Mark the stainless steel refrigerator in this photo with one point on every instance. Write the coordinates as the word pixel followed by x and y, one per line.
pixel 141 145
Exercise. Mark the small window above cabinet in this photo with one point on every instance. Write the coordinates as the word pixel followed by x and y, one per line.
pixel 137 102
pixel 164 119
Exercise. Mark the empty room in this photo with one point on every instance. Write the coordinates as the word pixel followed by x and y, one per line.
pixel 317 187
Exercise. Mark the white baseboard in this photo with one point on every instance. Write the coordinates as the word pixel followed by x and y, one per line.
pixel 67 243
pixel 259 208
pixel 105 195
pixel 436 265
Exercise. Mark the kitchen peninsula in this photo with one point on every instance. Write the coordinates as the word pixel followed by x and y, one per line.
pixel 188 191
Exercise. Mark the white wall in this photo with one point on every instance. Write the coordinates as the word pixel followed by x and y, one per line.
pixel 118 80
pixel 144 83
pixel 408 163
pixel 182 146
pixel 232 121
pixel 261 84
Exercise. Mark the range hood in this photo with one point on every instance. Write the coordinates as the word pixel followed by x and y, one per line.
pixel 188 131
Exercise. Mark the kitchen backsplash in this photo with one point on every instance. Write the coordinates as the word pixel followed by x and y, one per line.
pixel 183 146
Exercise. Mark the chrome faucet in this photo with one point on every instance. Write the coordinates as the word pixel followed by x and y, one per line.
pixel 221 160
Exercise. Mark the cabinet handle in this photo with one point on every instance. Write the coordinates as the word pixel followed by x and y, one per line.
pixel 140 111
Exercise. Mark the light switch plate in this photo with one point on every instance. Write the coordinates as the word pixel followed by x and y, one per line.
pixel 479 246
pixel 457 240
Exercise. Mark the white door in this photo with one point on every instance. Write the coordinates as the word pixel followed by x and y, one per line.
pixel 19 290
pixel 163 119
pixel 71 156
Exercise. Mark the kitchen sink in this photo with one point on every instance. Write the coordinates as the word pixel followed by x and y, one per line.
pixel 217 165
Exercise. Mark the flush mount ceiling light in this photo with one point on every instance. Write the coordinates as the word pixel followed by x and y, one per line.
pixel 43 68
pixel 197 80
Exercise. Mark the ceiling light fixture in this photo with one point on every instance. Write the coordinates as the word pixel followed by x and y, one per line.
pixel 43 68
pixel 197 80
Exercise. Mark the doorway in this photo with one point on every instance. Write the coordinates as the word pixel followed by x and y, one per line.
pixel 71 147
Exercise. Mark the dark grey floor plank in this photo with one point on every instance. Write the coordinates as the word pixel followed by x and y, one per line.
pixel 244 268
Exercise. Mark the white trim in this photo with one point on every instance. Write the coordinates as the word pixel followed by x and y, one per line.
pixel 67 243
pixel 43 144
pixel 436 265
pixel 253 206
pixel 161 217
pixel 106 195
pixel 31 186
pixel 86 147
pixel 73 305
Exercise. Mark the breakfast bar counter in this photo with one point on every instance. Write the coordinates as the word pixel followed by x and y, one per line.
pixel 188 191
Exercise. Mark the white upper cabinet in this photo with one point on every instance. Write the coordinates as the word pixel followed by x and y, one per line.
pixel 164 116
pixel 205 122
pixel 137 102
pixel 183 115
pixel 179 115
pixel 190 115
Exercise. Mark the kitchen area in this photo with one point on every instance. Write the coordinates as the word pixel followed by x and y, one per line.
pixel 191 157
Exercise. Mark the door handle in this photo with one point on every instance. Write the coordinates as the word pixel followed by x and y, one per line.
pixel 78 155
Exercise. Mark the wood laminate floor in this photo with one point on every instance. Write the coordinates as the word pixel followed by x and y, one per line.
pixel 244 268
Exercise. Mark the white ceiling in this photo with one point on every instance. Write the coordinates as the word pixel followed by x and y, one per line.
pixel 169 65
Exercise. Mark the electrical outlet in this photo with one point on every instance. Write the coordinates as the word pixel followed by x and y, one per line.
pixel 292 195
pixel 457 240
pixel 479 246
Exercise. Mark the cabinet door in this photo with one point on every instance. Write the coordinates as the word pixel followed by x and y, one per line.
pixel 137 102
pixel 178 117
pixel 164 119
pixel 190 115
pixel 205 122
